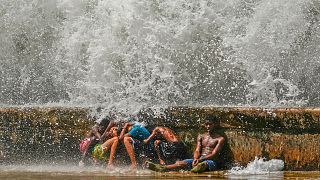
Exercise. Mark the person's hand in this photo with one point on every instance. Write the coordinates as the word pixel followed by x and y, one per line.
pixel 195 162
pixel 145 141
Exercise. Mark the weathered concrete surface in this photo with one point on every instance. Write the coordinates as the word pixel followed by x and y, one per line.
pixel 300 119
pixel 53 134
pixel 42 134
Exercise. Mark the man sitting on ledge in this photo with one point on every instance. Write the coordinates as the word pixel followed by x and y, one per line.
pixel 208 146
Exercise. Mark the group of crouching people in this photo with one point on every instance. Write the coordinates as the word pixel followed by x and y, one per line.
pixel 162 146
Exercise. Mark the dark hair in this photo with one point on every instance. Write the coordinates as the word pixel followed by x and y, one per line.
pixel 105 121
pixel 119 129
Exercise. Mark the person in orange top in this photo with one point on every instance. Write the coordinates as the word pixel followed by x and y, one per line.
pixel 167 144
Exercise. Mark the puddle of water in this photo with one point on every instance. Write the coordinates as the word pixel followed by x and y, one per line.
pixel 71 172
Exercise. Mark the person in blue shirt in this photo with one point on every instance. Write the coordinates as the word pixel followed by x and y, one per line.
pixel 136 133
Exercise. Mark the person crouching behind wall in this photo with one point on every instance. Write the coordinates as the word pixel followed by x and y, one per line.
pixel 167 144
pixel 133 135
pixel 101 151
pixel 97 135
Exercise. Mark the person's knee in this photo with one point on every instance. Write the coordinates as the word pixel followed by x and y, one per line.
pixel 127 140
pixel 115 140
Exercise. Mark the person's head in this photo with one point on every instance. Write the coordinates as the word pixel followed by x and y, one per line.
pixel 114 131
pixel 130 121
pixel 103 123
pixel 211 122
pixel 130 125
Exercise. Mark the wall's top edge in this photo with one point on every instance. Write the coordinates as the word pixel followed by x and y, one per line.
pixel 292 119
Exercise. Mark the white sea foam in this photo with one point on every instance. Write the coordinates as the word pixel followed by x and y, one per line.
pixel 135 54
pixel 258 166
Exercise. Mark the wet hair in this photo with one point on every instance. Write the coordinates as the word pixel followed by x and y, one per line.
pixel 105 121
pixel 119 130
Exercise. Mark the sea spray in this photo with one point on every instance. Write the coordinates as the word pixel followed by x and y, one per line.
pixel 136 54
pixel 258 166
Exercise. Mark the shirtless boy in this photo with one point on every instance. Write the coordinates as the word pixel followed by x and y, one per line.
pixel 208 146
pixel 168 145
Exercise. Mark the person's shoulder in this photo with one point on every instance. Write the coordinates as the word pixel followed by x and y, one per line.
pixel 166 128
pixel 220 138
pixel 161 128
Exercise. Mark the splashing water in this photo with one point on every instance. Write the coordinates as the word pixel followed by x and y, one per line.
pixel 138 53
pixel 258 166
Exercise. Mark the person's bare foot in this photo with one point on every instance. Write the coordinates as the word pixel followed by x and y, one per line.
pixel 200 167
pixel 156 167
pixel 95 162
pixel 110 167
pixel 133 167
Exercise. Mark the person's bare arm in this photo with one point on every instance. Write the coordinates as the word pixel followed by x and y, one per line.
pixel 154 132
pixel 196 153
pixel 107 131
pixel 95 132
pixel 215 151
pixel 123 131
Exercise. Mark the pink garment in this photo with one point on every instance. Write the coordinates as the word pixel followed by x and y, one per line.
pixel 84 144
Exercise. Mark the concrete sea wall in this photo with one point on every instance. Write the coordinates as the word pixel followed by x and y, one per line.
pixel 51 135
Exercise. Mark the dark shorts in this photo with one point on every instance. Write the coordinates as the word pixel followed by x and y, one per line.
pixel 143 150
pixel 172 150
pixel 211 164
